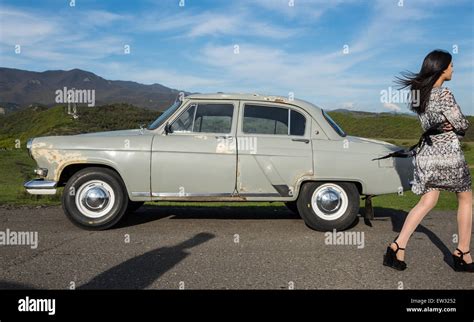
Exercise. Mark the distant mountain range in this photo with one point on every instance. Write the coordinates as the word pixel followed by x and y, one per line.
pixel 21 88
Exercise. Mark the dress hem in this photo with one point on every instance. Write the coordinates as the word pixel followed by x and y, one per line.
pixel 442 189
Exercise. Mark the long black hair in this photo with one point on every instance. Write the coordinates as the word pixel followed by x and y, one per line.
pixel 421 83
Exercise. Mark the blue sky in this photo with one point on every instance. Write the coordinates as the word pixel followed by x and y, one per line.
pixel 334 53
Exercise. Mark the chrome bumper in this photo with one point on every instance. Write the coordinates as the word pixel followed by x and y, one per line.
pixel 40 187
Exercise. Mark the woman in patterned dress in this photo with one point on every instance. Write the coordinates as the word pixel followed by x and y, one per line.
pixel 439 165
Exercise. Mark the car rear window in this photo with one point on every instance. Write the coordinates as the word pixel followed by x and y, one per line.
pixel 272 120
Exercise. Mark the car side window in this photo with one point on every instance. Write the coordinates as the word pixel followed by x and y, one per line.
pixel 205 118
pixel 272 120
pixel 265 120
pixel 185 121
pixel 297 123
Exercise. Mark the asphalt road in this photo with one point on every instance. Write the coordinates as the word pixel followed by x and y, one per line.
pixel 223 248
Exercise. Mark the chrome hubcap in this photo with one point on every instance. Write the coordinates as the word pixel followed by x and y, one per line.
pixel 329 201
pixel 95 198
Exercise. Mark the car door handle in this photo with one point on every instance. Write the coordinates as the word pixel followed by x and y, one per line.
pixel 225 137
pixel 301 140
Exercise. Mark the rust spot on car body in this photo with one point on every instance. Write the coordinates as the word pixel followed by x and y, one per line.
pixel 56 160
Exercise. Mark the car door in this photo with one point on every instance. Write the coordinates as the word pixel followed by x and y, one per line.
pixel 274 149
pixel 198 157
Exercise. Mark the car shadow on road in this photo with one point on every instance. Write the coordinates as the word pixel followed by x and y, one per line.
pixel 141 271
pixel 397 218
pixel 153 213
pixel 150 213
pixel 10 285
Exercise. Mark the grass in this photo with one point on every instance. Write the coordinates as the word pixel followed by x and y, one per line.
pixel 385 125
pixel 41 121
pixel 16 167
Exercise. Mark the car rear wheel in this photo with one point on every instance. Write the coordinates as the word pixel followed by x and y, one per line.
pixel 95 198
pixel 329 205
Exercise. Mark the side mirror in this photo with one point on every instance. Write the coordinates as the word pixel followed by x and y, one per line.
pixel 168 129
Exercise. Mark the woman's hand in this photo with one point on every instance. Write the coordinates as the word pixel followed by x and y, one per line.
pixel 447 127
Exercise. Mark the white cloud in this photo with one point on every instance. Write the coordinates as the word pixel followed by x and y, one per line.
pixel 348 105
pixel 307 74
pixel 19 27
pixel 47 39
pixel 101 18
pixel 303 10
pixel 207 23
pixel 392 107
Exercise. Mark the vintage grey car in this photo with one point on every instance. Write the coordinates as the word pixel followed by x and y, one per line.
pixel 221 147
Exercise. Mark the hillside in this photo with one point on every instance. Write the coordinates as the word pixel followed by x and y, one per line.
pixel 385 125
pixel 21 88
pixel 37 121
pixel 31 122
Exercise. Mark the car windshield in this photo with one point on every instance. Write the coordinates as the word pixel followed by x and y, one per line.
pixel 333 124
pixel 164 116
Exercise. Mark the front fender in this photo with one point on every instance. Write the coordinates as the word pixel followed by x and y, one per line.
pixel 130 157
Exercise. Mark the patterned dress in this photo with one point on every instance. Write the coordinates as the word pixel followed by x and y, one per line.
pixel 442 165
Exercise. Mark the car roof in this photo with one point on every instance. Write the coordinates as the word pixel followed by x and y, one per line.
pixel 254 97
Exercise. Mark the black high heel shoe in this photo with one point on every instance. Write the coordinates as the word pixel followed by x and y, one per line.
pixel 460 264
pixel 390 258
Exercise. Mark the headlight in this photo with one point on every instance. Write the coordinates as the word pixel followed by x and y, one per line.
pixel 29 144
pixel 42 172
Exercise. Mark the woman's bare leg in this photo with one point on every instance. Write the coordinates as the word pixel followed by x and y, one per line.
pixel 464 223
pixel 415 216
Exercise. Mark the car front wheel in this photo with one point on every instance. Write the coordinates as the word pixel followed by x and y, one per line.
pixel 325 206
pixel 95 198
